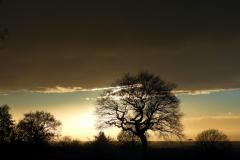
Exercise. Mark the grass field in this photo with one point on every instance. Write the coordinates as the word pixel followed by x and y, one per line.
pixel 90 151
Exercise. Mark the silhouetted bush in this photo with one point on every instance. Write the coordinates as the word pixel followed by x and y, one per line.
pixel 212 140
pixel 68 141
pixel 102 139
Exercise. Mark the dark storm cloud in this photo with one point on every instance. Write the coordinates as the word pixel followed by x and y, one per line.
pixel 90 44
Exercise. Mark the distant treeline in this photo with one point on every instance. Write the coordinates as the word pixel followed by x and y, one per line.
pixel 73 150
pixel 37 136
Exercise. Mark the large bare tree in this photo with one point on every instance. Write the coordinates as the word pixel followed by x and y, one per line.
pixel 139 104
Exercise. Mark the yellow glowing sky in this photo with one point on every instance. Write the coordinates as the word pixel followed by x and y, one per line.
pixel 204 110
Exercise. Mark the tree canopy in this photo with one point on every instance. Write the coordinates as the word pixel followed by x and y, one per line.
pixel 38 127
pixel 6 124
pixel 212 140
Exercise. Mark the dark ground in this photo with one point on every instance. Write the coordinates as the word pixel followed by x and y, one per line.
pixel 90 151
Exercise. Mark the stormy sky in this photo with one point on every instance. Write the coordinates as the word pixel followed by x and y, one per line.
pixel 91 43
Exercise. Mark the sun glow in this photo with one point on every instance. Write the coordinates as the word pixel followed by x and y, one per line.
pixel 79 125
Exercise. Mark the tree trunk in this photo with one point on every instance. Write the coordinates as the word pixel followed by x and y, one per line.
pixel 144 142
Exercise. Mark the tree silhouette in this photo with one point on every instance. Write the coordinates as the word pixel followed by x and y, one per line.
pixel 102 139
pixel 38 127
pixel 6 124
pixel 139 104
pixel 212 140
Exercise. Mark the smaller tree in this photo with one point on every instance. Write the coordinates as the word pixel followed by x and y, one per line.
pixel 212 140
pixel 38 127
pixel 128 138
pixel 6 124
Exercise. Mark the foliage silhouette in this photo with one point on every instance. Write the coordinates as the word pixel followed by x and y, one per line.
pixel 6 124
pixel 66 140
pixel 138 104
pixel 38 127
pixel 212 140
pixel 127 138
pixel 102 139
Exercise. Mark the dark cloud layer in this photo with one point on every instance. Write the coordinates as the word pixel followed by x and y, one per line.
pixel 90 44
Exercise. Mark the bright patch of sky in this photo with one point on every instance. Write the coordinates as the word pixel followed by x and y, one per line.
pixel 76 110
